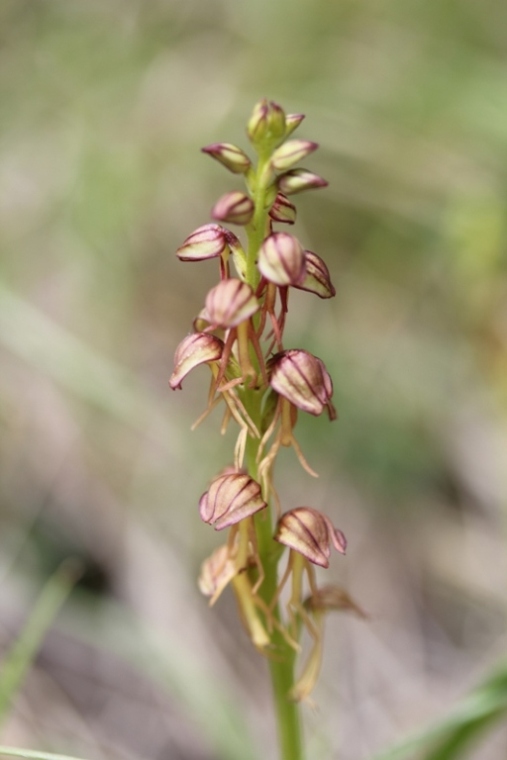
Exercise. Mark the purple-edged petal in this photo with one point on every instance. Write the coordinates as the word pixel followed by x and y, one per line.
pixel 303 380
pixel 281 259
pixel 230 156
pixel 292 122
pixel 267 123
pixel 283 210
pixel 233 208
pixel 206 242
pixel 229 499
pixel 298 180
pixel 195 349
pixel 230 302
pixel 290 153
pixel 317 279
pixel 310 533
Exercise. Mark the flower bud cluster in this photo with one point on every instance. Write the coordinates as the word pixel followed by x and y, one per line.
pixel 262 385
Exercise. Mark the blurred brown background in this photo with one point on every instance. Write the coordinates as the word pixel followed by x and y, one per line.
pixel 104 107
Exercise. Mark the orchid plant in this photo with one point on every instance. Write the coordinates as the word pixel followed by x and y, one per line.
pixel 262 386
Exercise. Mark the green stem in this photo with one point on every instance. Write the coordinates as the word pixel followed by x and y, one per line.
pixel 256 230
pixel 281 664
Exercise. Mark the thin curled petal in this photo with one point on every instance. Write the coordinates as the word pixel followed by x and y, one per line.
pixel 195 349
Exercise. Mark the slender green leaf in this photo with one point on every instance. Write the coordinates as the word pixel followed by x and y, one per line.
pixel 32 754
pixel 451 737
pixel 21 655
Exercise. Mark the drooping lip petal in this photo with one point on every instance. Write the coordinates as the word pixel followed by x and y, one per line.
pixel 195 349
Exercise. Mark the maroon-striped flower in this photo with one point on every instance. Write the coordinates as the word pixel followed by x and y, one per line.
pixel 233 208
pixel 283 210
pixel 230 156
pixel 282 260
pixel 310 533
pixel 302 379
pixel 298 180
pixel 230 499
pixel 267 123
pixel 206 242
pixel 229 303
pixel 317 279
pixel 290 153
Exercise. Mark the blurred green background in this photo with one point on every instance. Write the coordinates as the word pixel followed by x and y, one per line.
pixel 104 105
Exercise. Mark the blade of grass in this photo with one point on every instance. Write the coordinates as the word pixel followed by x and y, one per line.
pixel 32 754
pixel 449 738
pixel 22 653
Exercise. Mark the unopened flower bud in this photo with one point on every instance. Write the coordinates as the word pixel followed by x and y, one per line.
pixel 230 302
pixel 283 210
pixel 303 380
pixel 199 348
pixel 206 242
pixel 266 124
pixel 230 156
pixel 297 180
pixel 292 122
pixel 229 499
pixel 310 533
pixel 290 153
pixel 233 208
pixel 317 279
pixel 281 259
